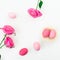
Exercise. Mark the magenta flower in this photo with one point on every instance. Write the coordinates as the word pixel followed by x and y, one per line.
pixel 9 42
pixel 7 29
pixel 34 12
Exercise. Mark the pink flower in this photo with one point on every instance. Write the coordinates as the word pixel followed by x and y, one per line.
pixel 34 12
pixel 9 42
pixel 7 29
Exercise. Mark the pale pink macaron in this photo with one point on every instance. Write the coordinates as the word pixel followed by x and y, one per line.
pixel 52 34
pixel 12 15
pixel 36 46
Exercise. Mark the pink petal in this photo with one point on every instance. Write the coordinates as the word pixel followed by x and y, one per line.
pixel 9 42
pixel 8 29
pixel 32 12
pixel 39 13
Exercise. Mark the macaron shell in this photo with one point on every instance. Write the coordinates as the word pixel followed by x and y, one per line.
pixel 46 32
pixel 36 46
pixel 52 34
pixel 23 51
pixel 12 15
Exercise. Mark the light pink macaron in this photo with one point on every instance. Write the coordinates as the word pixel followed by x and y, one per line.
pixel 52 34
pixel 36 46
pixel 12 15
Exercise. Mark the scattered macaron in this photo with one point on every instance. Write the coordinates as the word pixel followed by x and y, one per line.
pixel 36 46
pixel 46 33
pixel 12 15
pixel 23 51
pixel 52 34
pixel 49 33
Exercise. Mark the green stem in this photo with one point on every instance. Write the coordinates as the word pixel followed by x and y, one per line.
pixel 0 57
pixel 1 46
pixel 37 4
pixel 3 39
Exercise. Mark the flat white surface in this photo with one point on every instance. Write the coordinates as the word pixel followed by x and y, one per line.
pixel 29 30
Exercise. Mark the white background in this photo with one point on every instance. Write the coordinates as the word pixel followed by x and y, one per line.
pixel 29 30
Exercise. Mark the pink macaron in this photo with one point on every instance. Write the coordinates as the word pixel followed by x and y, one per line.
pixel 36 46
pixel 12 15
pixel 46 33
pixel 49 33
pixel 23 51
pixel 52 34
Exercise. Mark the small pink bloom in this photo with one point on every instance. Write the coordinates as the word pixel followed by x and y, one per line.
pixel 34 12
pixel 7 29
pixel 9 42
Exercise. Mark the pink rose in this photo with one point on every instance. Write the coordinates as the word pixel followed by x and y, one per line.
pixel 34 12
pixel 9 42
pixel 7 29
